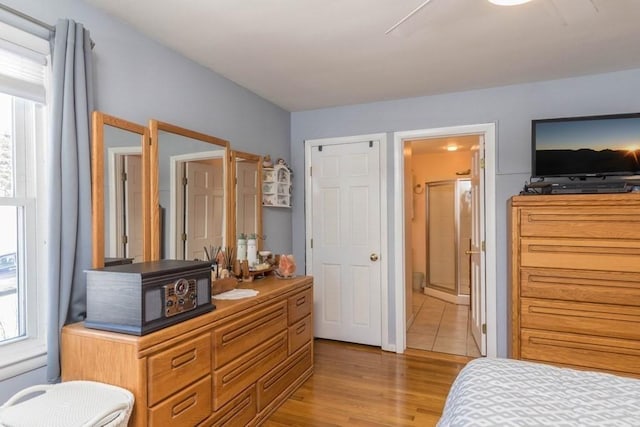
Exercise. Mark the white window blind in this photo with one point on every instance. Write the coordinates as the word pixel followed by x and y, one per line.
pixel 23 59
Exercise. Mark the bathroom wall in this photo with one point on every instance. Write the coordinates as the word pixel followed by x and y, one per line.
pixel 431 167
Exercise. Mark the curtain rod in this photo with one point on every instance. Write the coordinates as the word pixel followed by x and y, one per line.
pixel 33 20
pixel 28 18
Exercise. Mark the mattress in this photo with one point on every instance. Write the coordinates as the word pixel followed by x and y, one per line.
pixel 505 392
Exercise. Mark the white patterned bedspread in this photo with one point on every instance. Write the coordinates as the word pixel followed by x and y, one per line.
pixel 505 392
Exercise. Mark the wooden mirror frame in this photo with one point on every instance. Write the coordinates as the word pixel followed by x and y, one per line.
pixel 155 127
pixel 99 121
pixel 233 191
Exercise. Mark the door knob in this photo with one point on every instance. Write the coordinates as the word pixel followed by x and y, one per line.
pixel 373 257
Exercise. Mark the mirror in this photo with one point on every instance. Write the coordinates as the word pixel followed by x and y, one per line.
pixel 118 184
pixel 246 175
pixel 189 192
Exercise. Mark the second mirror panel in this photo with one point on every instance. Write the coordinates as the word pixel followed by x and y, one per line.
pixel 189 190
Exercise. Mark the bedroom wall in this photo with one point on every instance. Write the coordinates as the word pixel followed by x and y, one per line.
pixel 138 79
pixel 511 107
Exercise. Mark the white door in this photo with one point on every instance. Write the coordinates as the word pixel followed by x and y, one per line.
pixel 478 289
pixel 204 207
pixel 246 197
pixel 346 241
pixel 133 210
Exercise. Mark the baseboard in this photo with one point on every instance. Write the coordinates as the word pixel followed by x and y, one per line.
pixel 445 296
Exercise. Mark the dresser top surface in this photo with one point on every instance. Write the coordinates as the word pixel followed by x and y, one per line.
pixel 270 288
pixel 625 199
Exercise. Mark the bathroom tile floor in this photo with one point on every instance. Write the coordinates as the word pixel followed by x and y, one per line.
pixel 441 326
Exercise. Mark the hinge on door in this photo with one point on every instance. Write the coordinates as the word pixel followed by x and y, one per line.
pixel 319 147
pixel 482 163
pixel 484 328
pixel 370 144
pixel 311 243
pixel 184 180
pixel 483 246
pixel 125 239
pixel 124 176
pixel 310 170
pixel 184 237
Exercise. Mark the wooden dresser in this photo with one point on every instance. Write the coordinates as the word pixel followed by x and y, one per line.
pixel 239 362
pixel 575 280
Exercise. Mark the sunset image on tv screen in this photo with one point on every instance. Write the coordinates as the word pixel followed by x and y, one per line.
pixel 587 147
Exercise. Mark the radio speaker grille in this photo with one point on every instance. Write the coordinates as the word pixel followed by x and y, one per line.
pixel 153 305
pixel 203 292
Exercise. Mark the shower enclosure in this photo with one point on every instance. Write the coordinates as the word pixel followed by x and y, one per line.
pixel 448 215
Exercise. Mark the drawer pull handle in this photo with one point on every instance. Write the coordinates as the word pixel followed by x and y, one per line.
pixel 184 405
pixel 300 329
pixel 300 301
pixel 183 359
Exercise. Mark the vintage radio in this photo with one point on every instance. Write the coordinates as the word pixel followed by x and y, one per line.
pixel 144 297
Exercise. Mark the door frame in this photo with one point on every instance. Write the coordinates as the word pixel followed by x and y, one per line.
pixel 488 130
pixel 385 254
pixel 114 170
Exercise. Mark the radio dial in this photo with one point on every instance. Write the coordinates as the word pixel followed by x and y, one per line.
pixel 181 287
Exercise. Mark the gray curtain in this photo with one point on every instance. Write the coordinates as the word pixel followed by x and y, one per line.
pixel 68 175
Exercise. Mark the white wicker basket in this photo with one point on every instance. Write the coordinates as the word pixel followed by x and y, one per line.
pixel 68 404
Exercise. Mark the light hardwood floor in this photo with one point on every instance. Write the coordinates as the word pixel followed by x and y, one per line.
pixel 441 326
pixel 356 385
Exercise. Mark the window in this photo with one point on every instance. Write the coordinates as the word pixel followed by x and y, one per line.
pixel 22 130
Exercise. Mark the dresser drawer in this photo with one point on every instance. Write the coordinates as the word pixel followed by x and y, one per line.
pixel 300 305
pixel 238 374
pixel 600 255
pixel 239 411
pixel 300 333
pixel 609 354
pixel 605 320
pixel 173 369
pixel 236 337
pixel 580 222
pixel 606 287
pixel 277 381
pixel 186 408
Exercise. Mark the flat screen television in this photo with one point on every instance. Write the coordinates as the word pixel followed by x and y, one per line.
pixel 582 147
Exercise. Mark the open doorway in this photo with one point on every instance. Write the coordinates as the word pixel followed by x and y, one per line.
pixel 440 234
pixel 481 320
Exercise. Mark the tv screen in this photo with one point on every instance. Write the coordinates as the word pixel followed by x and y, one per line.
pixel 586 146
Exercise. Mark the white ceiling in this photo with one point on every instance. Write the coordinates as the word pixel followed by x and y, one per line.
pixel 308 54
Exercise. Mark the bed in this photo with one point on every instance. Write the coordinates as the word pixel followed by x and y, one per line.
pixel 505 392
